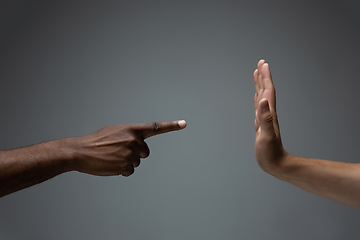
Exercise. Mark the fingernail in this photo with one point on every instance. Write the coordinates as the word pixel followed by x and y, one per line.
pixel 182 123
pixel 265 104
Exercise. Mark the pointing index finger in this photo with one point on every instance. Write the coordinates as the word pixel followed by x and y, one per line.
pixel 147 130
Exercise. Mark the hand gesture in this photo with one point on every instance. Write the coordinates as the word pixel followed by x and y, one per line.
pixel 117 150
pixel 269 150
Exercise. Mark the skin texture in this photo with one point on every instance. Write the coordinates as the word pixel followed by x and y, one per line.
pixel 112 150
pixel 338 181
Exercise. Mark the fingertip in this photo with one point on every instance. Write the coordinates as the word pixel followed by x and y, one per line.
pixel 260 65
pixel 265 69
pixel 128 172
pixel 182 123
pixel 144 155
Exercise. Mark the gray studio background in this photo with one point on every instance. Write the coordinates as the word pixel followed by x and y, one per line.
pixel 69 68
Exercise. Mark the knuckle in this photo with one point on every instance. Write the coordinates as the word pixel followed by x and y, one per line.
pixel 117 170
pixel 125 165
pixel 132 143
pixel 155 126
pixel 268 117
pixel 128 153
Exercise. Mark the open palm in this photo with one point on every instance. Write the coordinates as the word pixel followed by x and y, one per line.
pixel 269 150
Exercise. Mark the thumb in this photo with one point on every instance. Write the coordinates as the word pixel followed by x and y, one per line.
pixel 266 118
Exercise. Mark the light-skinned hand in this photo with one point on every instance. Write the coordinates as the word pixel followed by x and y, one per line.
pixel 269 150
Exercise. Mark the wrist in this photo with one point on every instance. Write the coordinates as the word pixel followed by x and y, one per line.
pixel 284 165
pixel 66 153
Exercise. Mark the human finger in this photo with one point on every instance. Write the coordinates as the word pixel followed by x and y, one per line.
pixel 266 119
pixel 260 63
pixel 128 171
pixel 256 80
pixel 256 107
pixel 256 125
pixel 269 89
pixel 255 102
pixel 136 162
pixel 147 130
pixel 266 77
pixel 144 150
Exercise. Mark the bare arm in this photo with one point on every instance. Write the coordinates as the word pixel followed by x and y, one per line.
pixel 338 181
pixel 23 167
pixel 113 150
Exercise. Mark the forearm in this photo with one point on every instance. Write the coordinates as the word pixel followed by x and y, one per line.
pixel 27 166
pixel 338 181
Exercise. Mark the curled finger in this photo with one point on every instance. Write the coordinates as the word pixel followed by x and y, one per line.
pixel 136 162
pixel 126 172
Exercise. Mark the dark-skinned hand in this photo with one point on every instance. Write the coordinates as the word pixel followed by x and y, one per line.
pixel 117 150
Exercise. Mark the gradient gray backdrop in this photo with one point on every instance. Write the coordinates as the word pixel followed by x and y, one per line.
pixel 69 68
